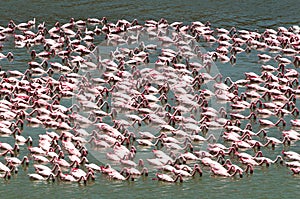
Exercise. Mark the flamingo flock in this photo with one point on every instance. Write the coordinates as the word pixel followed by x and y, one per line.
pixel 140 97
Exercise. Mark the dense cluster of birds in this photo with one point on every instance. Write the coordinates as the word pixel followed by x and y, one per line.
pixel 156 78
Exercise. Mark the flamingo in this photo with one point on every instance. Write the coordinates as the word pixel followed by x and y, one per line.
pixel 78 173
pixel 235 167
pixel 93 167
pixel 274 141
pixel 38 177
pixel 264 56
pixel 45 172
pixel 291 155
pixel 70 178
pixel 174 146
pixel 62 162
pixel 295 170
pixel 130 162
pixel 253 162
pixel 268 160
pixel 9 56
pixel 117 176
pixel 6 146
pixel 189 156
pixel 6 175
pixel 135 172
pixel 145 142
pixel 243 155
pixel 20 140
pixel 42 55
pixel 282 60
pixel 211 163
pixel 94 21
pixel 241 144
pixel 295 123
pixel 167 178
pixel 6 152
pixel 224 172
pixel 107 169
pixel 155 162
pixel 5 168
pixel 167 167
pixel 291 134
pixel 113 157
pixel 146 135
pixel 264 122
pixel 184 173
pixel 8 132
pixel 162 155
pixel 40 158
pixel 17 161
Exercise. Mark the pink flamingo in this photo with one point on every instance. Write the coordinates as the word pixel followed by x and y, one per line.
pixel 35 176
pixel 269 161
pixel 293 164
pixel 93 166
pixel 295 170
pixel 17 161
pixel 264 122
pixel 295 123
pixel 6 175
pixel 184 173
pixel 135 172
pixel 70 178
pixel 9 56
pixel 291 155
pixel 118 176
pixel 234 167
pixel 264 56
pixel 167 178
pixel 224 172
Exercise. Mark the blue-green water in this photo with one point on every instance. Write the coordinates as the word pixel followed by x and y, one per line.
pixel 273 182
